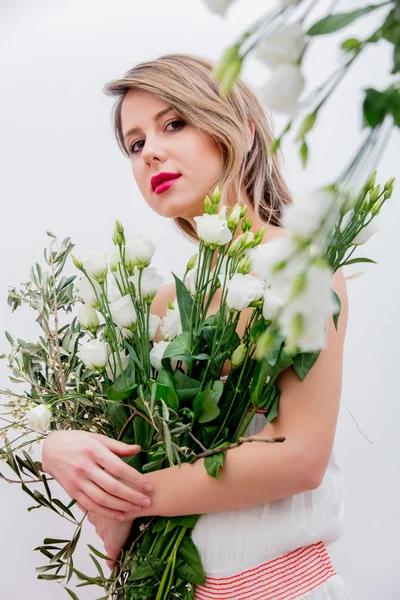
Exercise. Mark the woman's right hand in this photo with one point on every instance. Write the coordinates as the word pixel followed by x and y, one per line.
pixel 87 466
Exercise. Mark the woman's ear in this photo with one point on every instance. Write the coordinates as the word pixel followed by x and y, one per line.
pixel 252 131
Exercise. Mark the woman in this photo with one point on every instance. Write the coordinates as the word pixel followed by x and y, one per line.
pixel 266 522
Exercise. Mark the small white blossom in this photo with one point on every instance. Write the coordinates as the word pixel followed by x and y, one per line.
pixel 218 6
pixel 156 354
pixel 113 365
pixel 305 215
pixel 365 233
pixel 39 418
pixel 139 251
pixel 281 92
pixel 242 290
pixel 88 317
pixel 123 312
pixel 95 264
pixel 171 324
pixel 150 282
pixel 85 291
pixel 282 46
pixel 94 354
pixel 212 229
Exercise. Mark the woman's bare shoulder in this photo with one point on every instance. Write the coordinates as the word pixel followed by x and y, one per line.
pixel 165 294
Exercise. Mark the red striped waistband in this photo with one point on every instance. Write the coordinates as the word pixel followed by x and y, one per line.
pixel 283 578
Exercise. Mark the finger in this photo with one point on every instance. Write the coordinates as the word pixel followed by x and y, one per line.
pixel 98 509
pixel 120 470
pixel 82 508
pixel 119 489
pixel 118 447
pixel 103 498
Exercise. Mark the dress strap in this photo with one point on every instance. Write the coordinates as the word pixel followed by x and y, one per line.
pixel 284 578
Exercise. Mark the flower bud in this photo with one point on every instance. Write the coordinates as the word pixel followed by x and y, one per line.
pixel 243 211
pixel 378 205
pixel 208 206
pixel 119 227
pixel 389 184
pixel 246 224
pixel 77 262
pixel 118 239
pixel 95 265
pixel 244 265
pixel 238 356
pixel 370 183
pixel 216 195
pixel 39 418
pixel 374 194
pixel 259 236
pixel 222 212
pixel 192 262
pixel 234 217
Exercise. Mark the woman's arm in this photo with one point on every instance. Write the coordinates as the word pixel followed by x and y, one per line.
pixel 261 472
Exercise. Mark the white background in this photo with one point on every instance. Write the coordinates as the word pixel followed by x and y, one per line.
pixel 61 170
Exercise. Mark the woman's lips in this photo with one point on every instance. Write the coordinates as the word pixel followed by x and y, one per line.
pixel 165 185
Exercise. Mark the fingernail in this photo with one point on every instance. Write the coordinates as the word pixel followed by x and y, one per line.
pixel 145 502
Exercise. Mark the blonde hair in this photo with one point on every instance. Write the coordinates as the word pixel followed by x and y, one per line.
pixel 185 82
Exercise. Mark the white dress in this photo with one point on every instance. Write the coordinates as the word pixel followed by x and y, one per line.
pixel 233 543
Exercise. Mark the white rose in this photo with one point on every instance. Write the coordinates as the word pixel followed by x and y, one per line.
pixel 171 324
pixel 306 213
pixel 95 264
pixel 39 418
pixel 113 365
pixel 213 229
pixel 150 283
pixel 282 90
pixel 123 312
pixel 242 290
pixel 283 45
pixel 86 292
pixel 365 233
pixel 156 354
pixel 88 317
pixel 94 354
pixel 218 6
pixel 139 251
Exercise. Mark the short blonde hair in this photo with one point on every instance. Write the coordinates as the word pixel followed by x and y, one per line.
pixel 185 82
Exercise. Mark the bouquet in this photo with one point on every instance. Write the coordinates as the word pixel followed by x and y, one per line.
pixel 104 372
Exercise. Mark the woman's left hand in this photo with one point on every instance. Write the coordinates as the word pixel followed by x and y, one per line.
pixel 113 533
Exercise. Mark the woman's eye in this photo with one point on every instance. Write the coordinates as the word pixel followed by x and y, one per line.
pixel 180 123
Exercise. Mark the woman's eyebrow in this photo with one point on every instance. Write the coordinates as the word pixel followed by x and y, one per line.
pixel 156 117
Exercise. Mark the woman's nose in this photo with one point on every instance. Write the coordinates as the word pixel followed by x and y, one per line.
pixel 153 151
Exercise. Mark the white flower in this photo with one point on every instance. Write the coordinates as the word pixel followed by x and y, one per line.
pixel 95 264
pixel 283 45
pixel 346 220
pixel 115 260
pixel 242 290
pixel 94 354
pixel 86 292
pixel 305 214
pixel 88 317
pixel 265 256
pixel 150 282
pixel 113 365
pixel 126 333
pixel 39 418
pixel 114 293
pixel 156 354
pixel 282 90
pixel 171 324
pixel 365 233
pixel 154 324
pixel 213 229
pixel 219 6
pixel 123 312
pixel 139 251
pixel 314 304
pixel 272 302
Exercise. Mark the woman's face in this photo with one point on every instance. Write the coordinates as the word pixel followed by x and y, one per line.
pixel 168 144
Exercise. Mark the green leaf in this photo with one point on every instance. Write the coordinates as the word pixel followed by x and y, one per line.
pixel 168 394
pixel 192 568
pixel 304 153
pixel 213 464
pixel 218 389
pixel 51 541
pixel 118 414
pixel 8 336
pixel 337 313
pixel 338 21
pixel 396 59
pixel 375 107
pixel 151 567
pixel 185 303
pixel 98 566
pixel 205 406
pixel 351 44
pixel 186 388
pixel 71 593
pixel 352 261
pixel 271 412
pixel 303 362
pixel 306 126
